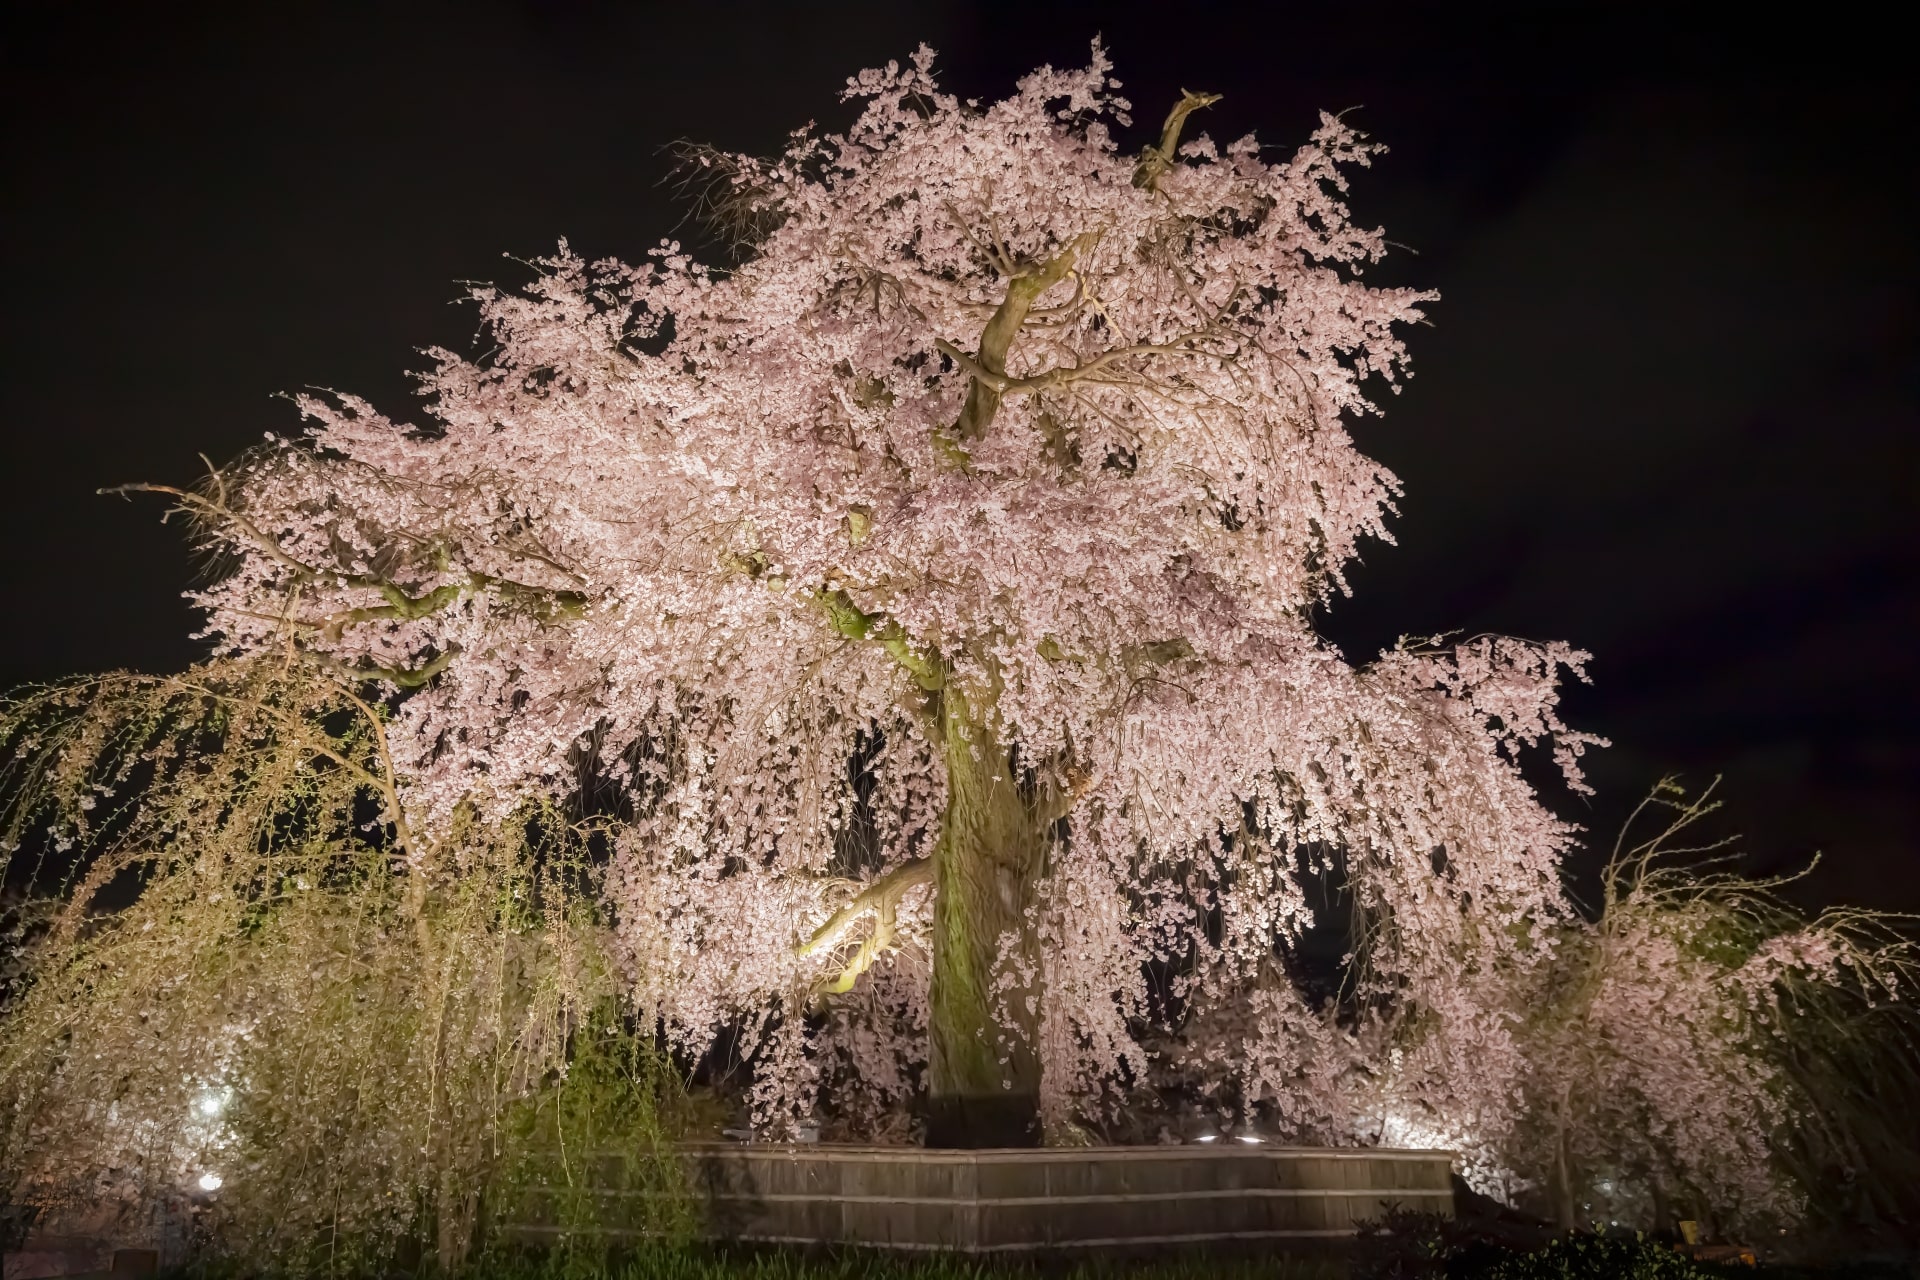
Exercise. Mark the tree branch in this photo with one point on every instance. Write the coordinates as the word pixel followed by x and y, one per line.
pixel 882 898
pixel 400 677
pixel 400 604
pixel 1155 161
pixel 853 622
pixel 996 340
pixel 1000 384
pixel 884 892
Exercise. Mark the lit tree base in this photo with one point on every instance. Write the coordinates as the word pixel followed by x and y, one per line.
pixel 983 1122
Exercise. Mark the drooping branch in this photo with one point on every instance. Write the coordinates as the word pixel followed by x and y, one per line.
pixel 400 604
pixel 246 703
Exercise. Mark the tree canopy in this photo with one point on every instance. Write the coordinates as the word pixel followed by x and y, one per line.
pixel 1007 466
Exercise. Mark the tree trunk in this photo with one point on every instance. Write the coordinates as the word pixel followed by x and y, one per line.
pixel 983 1079
pixel 1662 1207
pixel 1564 1215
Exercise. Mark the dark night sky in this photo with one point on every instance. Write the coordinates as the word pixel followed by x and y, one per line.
pixel 1667 409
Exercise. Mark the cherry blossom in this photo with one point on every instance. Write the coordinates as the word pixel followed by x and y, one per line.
pixel 936 588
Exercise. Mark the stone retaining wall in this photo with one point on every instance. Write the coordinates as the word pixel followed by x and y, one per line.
pixel 1074 1198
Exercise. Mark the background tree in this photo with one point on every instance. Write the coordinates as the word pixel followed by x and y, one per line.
pixel 264 1007
pixel 1701 1049
pixel 1007 466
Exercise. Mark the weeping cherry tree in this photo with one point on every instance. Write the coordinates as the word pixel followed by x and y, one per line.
pixel 935 587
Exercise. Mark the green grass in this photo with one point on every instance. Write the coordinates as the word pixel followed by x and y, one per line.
pixel 1579 1258
pixel 704 1263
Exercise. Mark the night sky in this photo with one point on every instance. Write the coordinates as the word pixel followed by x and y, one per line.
pixel 1666 410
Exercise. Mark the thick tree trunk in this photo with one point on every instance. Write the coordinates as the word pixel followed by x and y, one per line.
pixel 1662 1207
pixel 983 1080
pixel 1561 1187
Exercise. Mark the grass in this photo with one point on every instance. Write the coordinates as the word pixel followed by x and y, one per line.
pixel 703 1262
pixel 717 1263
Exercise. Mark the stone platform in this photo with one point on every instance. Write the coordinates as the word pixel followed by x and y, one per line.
pixel 1081 1198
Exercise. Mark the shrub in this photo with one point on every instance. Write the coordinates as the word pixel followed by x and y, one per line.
pixel 1587 1257
pixel 262 1006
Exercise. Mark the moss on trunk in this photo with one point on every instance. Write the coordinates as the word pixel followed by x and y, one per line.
pixel 983 1075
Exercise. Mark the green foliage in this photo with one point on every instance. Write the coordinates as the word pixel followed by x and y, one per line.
pixel 1405 1245
pixel 1577 1258
pixel 1585 1257
pixel 249 964
pixel 586 1156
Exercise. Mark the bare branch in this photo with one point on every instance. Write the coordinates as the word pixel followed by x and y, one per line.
pixel 1155 161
